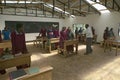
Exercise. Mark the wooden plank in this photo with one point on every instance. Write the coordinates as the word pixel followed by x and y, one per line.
pixel 67 43
pixel 6 44
pixel 16 61
pixel 45 73
pixel 52 41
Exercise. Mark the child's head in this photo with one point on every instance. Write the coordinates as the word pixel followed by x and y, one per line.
pixel 19 27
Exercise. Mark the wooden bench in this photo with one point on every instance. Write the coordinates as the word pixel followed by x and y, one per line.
pixel 16 61
pixel 67 43
pixel 50 42
pixel 45 73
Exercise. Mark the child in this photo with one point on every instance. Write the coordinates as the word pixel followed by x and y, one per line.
pixel 18 42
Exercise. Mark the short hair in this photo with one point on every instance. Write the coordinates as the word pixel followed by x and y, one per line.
pixel 87 25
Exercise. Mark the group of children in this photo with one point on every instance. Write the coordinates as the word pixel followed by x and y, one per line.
pixel 17 38
pixel 64 34
pixel 49 33
pixel 108 34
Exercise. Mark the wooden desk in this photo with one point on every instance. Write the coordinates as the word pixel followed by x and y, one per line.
pixel 116 43
pixel 107 44
pixel 45 73
pixel 50 42
pixel 94 38
pixel 6 44
pixel 16 61
pixel 36 42
pixel 110 43
pixel 40 41
pixel 67 43
pixel 82 38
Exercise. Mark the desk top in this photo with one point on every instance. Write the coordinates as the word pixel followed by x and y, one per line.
pixel 36 71
pixel 6 44
pixel 118 41
pixel 10 57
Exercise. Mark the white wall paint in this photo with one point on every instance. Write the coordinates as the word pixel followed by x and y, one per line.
pixel 29 36
pixel 99 22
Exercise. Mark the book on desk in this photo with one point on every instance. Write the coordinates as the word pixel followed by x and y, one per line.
pixel 33 70
pixel 16 74
pixel 7 56
pixel 23 72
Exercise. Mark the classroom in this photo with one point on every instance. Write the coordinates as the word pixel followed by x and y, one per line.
pixel 59 39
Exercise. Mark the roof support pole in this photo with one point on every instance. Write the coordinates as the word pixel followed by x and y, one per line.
pixel 113 4
pixel 106 3
pixel 53 9
pixel 117 5
pixel 80 6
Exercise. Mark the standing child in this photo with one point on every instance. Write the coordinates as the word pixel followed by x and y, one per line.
pixel 6 34
pixel 18 42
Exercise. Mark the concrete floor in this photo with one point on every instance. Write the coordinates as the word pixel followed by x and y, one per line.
pixel 95 66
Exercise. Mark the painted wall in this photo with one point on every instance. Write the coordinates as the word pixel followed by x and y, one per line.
pixel 99 22
pixel 29 36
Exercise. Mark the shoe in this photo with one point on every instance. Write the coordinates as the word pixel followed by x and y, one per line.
pixel 2 72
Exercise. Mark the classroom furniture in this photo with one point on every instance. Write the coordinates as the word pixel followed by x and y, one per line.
pixel 40 41
pixel 116 43
pixel 49 43
pixel 6 44
pixel 37 41
pixel 16 61
pixel 94 38
pixel 67 43
pixel 102 43
pixel 82 38
pixel 109 43
pixel 44 73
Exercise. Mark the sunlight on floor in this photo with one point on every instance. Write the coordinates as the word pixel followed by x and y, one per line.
pixel 81 47
pixel 29 43
pixel 50 54
pixel 37 57
pixel 109 71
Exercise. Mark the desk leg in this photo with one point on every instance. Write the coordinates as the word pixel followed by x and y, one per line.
pixel 116 49
pixel 49 47
pixel 65 51
pixel 76 48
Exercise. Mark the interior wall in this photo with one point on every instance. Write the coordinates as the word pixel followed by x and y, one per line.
pixel 29 36
pixel 99 22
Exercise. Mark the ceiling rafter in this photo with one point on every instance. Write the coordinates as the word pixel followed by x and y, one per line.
pixel 80 6
pixel 91 6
